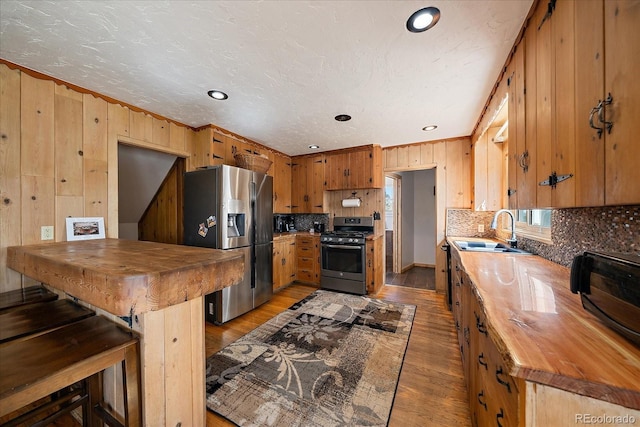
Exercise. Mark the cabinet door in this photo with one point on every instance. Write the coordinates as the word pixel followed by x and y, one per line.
pixel 526 151
pixel 278 264
pixel 359 172
pixel 217 149
pixel 514 127
pixel 563 119
pixel 290 263
pixel 544 104
pixel 282 185
pixel 336 170
pixel 589 74
pixel 622 61
pixel 299 185
pixel 315 184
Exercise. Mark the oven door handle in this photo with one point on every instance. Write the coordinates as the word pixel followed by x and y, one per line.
pixel 356 248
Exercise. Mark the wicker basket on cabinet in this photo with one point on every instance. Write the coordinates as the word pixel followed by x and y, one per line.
pixel 252 162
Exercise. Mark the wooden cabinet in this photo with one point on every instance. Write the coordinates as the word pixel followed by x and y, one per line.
pixel 493 393
pixel 607 50
pixel 284 261
pixel 374 273
pixel 500 335
pixel 281 184
pixel 308 183
pixel 355 169
pixel 308 259
pixel 521 178
pixel 580 109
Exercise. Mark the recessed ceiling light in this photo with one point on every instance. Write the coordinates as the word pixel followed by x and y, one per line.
pixel 216 94
pixel 429 128
pixel 343 117
pixel 423 19
pixel 314 147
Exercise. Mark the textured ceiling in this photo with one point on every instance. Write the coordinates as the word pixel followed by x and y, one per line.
pixel 288 67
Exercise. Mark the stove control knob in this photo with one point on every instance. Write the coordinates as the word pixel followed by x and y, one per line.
pixel 350 240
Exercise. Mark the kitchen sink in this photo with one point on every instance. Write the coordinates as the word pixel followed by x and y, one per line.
pixel 486 246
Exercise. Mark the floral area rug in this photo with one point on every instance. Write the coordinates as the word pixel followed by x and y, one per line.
pixel 332 359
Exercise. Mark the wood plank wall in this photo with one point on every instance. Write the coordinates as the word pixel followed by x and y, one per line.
pixel 452 160
pixel 59 154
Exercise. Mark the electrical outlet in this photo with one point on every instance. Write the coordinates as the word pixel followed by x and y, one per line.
pixel 46 232
pixel 480 228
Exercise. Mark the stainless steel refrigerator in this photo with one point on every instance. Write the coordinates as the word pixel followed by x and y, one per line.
pixel 230 208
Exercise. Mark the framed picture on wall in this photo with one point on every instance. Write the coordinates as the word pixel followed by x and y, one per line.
pixel 85 228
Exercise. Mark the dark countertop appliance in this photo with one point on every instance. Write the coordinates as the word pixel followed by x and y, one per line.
pixel 230 208
pixel 283 223
pixel 609 287
pixel 343 255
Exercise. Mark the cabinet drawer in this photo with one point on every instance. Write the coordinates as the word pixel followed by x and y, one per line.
pixel 306 263
pixel 306 276
pixel 306 241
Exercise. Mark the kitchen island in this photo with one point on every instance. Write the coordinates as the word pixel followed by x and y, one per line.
pixel 157 290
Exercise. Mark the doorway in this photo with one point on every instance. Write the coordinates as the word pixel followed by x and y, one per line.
pixel 392 223
pixel 149 179
pixel 410 228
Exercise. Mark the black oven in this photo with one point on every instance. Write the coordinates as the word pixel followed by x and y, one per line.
pixel 343 255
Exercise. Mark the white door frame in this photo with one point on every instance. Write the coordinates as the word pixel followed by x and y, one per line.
pixel 397 221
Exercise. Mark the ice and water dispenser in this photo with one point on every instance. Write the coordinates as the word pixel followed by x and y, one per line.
pixel 236 225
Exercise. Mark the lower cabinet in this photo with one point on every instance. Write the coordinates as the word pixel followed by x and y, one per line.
pixel 374 273
pixel 493 393
pixel 284 261
pixel 308 259
pixel 495 397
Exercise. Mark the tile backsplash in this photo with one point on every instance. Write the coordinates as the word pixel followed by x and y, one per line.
pixel 605 229
pixel 304 222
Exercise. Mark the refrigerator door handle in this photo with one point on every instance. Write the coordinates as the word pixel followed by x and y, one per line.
pixel 252 195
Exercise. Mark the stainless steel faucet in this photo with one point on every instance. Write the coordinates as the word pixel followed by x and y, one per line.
pixel 494 224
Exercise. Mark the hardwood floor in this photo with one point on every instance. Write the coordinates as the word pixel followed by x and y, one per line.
pixel 415 277
pixel 431 390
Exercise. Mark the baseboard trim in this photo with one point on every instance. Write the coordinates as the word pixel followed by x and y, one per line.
pixel 410 266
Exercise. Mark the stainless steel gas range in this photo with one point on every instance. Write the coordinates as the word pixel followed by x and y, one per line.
pixel 343 255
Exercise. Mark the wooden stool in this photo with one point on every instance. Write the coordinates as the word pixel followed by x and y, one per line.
pixel 42 365
pixel 27 320
pixel 21 297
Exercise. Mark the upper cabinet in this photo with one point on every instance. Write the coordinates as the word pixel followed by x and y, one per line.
pixel 308 183
pixel 281 184
pixel 355 169
pixel 574 106
pixel 607 102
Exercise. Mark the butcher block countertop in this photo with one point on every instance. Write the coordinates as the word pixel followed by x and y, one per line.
pixel 543 333
pixel 128 277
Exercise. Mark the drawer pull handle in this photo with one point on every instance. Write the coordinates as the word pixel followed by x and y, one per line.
pixel 501 381
pixel 482 362
pixel 480 395
pixel 499 416
pixel 480 325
